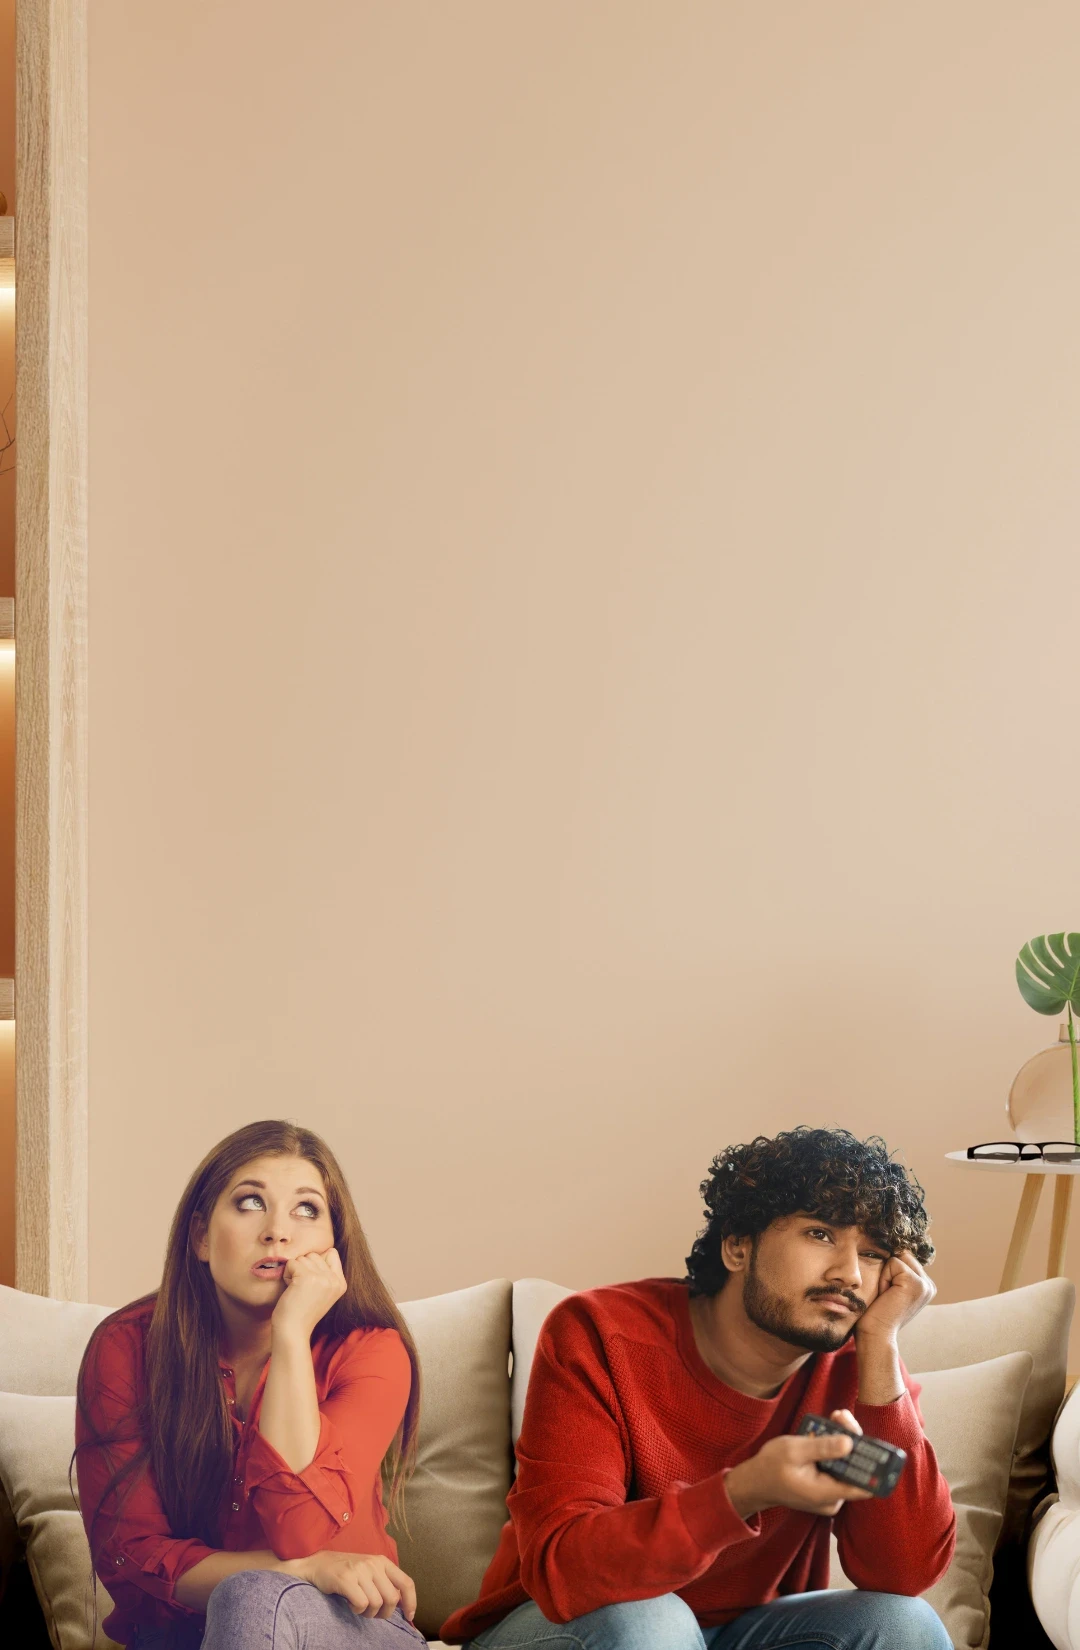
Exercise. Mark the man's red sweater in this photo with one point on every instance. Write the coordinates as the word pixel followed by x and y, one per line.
pixel 620 1491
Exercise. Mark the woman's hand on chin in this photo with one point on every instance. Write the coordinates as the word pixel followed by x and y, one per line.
pixel 313 1283
pixel 369 1583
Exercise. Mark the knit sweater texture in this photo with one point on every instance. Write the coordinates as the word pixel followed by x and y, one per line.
pixel 625 1447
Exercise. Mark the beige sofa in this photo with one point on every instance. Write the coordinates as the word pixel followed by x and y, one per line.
pixel 993 1374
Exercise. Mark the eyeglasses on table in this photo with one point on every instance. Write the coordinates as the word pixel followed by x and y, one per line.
pixel 1026 1151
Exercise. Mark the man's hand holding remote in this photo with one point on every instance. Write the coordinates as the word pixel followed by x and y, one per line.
pixel 784 1473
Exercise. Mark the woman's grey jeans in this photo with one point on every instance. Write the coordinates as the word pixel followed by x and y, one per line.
pixel 268 1610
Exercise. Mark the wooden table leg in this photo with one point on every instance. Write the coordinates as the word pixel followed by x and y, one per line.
pixel 1059 1225
pixel 1025 1219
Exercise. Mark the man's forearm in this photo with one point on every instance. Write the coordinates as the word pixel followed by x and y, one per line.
pixel 880 1378
pixel 289 1419
pixel 195 1585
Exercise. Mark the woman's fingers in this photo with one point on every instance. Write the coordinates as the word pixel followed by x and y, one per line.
pixel 358 1597
pixel 405 1587
pixel 381 1593
pixel 844 1418
pixel 368 1582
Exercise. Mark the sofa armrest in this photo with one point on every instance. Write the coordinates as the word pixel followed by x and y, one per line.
pixel 1054 1549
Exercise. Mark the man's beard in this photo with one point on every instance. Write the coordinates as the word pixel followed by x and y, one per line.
pixel 770 1312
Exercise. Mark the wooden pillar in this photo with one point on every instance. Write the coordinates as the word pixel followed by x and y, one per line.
pixel 50 640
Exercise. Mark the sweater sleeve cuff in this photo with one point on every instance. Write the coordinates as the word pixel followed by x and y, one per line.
pixel 712 1521
pixel 896 1423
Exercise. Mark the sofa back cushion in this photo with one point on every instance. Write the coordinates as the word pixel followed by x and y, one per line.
pixel 42 1342
pixel 1035 1319
pixel 533 1300
pixel 41 1347
pixel 455 1504
pixel 37 1436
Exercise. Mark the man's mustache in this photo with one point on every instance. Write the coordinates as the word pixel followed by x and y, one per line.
pixel 842 1294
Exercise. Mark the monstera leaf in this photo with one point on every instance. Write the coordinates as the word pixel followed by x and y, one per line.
pixel 1048 973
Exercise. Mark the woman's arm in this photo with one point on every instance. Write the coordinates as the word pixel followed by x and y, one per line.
pixel 194 1587
pixel 369 1582
pixel 289 1419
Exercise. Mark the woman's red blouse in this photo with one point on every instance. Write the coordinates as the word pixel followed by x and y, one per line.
pixel 363 1381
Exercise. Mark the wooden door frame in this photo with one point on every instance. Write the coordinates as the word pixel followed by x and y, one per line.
pixel 51 660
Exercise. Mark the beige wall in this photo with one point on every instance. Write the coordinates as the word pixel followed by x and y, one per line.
pixel 7 672
pixel 584 519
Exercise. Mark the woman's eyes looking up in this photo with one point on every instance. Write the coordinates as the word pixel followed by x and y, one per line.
pixel 244 1203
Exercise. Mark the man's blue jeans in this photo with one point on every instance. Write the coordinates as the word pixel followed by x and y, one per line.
pixel 804 1621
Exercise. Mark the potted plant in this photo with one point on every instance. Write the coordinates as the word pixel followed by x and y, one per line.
pixel 1048 974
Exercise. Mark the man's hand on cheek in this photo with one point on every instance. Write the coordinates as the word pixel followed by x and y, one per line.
pixel 903 1290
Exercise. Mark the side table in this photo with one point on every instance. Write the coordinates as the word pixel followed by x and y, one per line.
pixel 1034 1172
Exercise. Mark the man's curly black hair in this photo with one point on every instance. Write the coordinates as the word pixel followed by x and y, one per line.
pixel 822 1172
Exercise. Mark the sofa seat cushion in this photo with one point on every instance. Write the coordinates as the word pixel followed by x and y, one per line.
pixel 971 1416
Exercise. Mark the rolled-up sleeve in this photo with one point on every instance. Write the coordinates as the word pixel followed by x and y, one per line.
pixel 303 1512
pixel 127 1528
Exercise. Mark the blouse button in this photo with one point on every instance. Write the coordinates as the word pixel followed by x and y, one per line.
pixel 236 1506
pixel 119 1561
pixel 344 1518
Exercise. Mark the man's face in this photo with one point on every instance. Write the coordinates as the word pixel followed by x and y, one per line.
pixel 808 1283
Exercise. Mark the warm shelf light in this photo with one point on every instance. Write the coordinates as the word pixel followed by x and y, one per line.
pixel 7 252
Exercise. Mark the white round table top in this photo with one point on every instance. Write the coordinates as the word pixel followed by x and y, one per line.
pixel 1030 1165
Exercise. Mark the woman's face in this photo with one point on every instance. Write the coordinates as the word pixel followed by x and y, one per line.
pixel 273 1209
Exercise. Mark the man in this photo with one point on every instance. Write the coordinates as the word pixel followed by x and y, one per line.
pixel 662 1501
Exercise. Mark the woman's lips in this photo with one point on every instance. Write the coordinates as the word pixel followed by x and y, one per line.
pixel 268 1269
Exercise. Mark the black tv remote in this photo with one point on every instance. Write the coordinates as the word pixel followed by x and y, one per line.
pixel 872 1465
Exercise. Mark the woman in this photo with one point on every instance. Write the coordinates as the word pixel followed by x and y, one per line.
pixel 233 1429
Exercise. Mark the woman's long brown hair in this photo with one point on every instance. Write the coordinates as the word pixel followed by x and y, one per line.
pixel 185 1418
